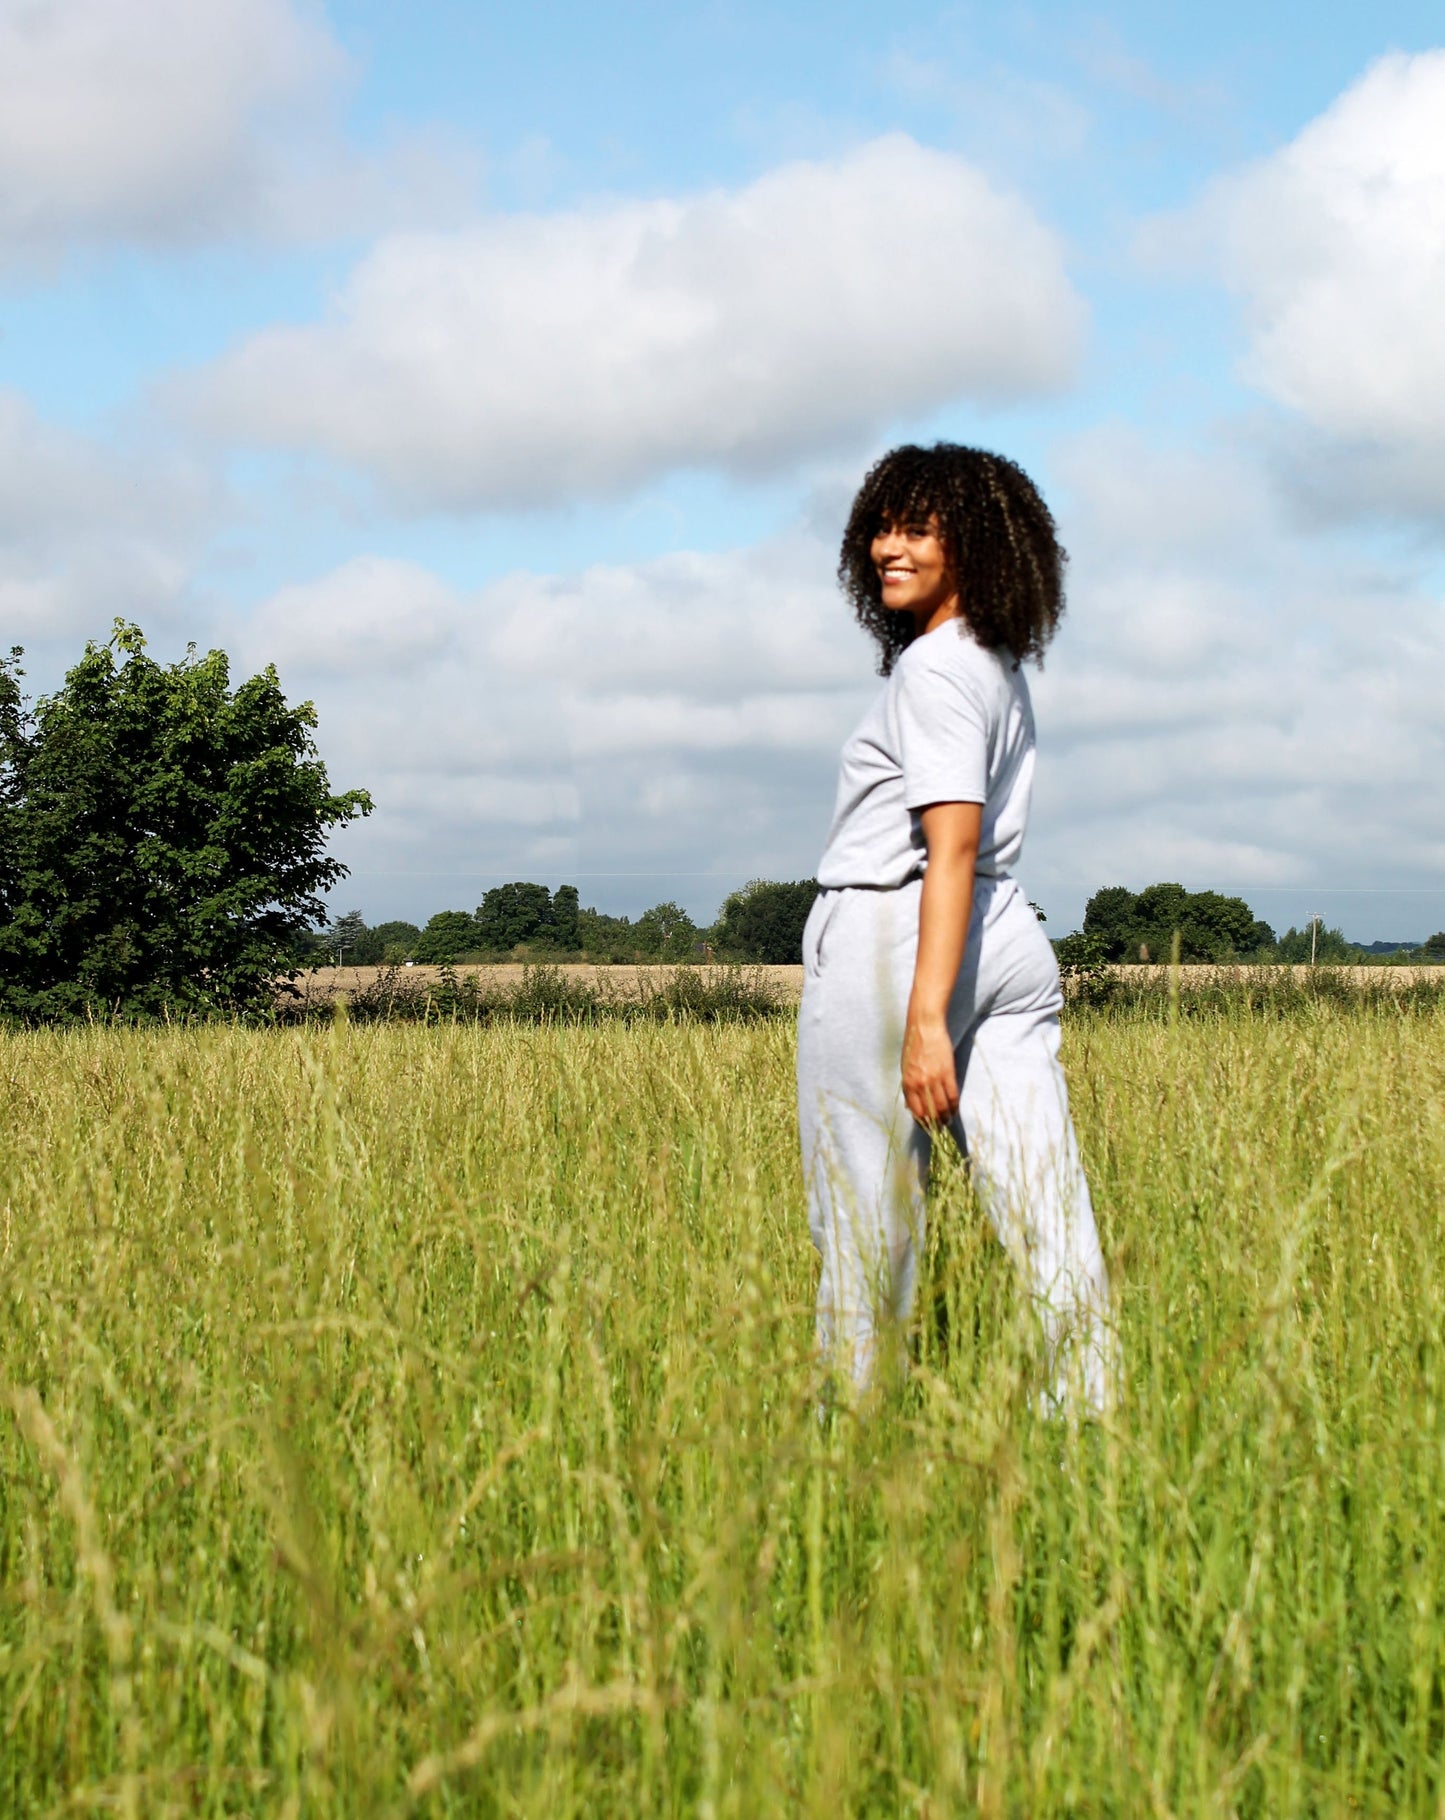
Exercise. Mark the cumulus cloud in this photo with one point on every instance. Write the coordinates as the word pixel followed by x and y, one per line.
pixel 1336 244
pixel 675 722
pixel 531 358
pixel 174 121
pixel 90 531
pixel 1233 701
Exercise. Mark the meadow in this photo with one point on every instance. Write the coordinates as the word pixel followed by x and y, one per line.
pixel 423 1420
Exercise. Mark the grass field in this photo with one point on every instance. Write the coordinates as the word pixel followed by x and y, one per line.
pixel 421 1420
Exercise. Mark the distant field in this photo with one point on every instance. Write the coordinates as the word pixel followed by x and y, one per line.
pixel 406 1420
pixel 332 982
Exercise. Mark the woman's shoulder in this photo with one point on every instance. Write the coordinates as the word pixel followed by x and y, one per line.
pixel 952 651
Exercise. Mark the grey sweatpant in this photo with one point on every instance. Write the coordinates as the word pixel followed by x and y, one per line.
pixel 866 1162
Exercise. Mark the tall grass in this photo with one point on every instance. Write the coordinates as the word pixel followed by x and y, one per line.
pixel 400 1419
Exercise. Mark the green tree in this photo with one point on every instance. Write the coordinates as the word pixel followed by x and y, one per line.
pixel 1331 945
pixel 1211 926
pixel 510 914
pixel 350 938
pixel 566 920
pixel 1110 917
pixel 1158 911
pixel 162 836
pixel 448 934
pixel 665 932
pixel 605 938
pixel 1434 945
pixel 764 921
pixel 396 941
pixel 1223 928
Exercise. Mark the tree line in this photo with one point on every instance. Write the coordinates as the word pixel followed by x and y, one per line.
pixel 761 923
pixel 1164 922
pixel 164 852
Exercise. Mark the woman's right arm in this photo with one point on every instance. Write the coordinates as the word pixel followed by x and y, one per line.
pixel 951 834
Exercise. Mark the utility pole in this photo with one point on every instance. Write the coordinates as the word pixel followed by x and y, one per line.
pixel 1314 935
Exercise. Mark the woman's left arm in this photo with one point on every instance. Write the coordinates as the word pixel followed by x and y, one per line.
pixel 951 833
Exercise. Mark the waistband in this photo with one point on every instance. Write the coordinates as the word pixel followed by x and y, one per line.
pixel 916 878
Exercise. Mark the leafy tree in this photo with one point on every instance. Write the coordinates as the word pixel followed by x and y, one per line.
pixel 1158 911
pixel 764 921
pixel 448 934
pixel 350 939
pixel 1434 945
pixel 162 836
pixel 1330 945
pixel 1220 927
pixel 1084 967
pixel 395 941
pixel 665 932
pixel 605 938
pixel 510 914
pixel 566 919
pixel 1109 917
pixel 1211 927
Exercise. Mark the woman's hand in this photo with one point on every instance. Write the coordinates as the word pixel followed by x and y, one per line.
pixel 951 833
pixel 930 1074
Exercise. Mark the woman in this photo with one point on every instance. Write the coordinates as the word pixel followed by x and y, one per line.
pixel 930 995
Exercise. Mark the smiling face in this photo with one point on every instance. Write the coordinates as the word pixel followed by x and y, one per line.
pixel 914 571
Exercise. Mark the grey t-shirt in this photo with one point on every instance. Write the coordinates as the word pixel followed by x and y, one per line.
pixel 953 724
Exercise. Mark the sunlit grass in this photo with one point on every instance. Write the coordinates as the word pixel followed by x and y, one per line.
pixel 403 1419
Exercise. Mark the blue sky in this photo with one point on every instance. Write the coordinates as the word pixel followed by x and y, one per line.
pixel 503 376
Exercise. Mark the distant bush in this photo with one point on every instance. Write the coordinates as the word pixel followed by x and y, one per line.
pixel 448 935
pixel 1131 926
pixel 547 995
pixel 764 922
pixel 1265 991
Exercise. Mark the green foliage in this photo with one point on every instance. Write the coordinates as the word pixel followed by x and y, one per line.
pixel 764 922
pixel 510 915
pixel 349 939
pixel 392 941
pixel 424 1421
pixel 1130 925
pixel 566 920
pixel 1084 968
pixel 1434 945
pixel 1329 945
pixel 605 938
pixel 162 837
pixel 545 994
pixel 448 934
pixel 665 932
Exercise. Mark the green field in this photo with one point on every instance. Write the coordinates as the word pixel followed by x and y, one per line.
pixel 422 1420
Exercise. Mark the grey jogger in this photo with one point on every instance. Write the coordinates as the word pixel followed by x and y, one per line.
pixel 866 1161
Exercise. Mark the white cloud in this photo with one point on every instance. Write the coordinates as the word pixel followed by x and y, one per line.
pixel 90 531
pixel 373 616
pixel 534 358
pixel 676 716
pixel 175 121
pixel 1233 700
pixel 1336 244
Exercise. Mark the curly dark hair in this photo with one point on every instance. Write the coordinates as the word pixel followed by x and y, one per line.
pixel 999 536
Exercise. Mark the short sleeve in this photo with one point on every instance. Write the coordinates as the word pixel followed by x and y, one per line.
pixel 942 737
